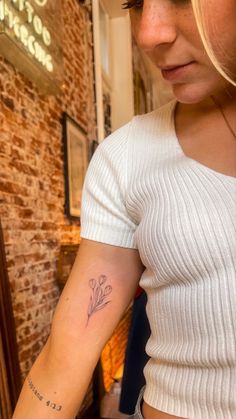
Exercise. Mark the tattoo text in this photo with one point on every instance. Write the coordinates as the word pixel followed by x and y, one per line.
pixel 41 398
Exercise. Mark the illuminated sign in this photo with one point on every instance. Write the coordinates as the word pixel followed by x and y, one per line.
pixel 29 27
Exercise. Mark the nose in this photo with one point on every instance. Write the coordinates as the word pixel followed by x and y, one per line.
pixel 155 26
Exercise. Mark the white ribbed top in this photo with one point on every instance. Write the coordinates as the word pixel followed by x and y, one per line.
pixel 142 191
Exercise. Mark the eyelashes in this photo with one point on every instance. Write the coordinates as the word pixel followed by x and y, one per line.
pixel 132 3
pixel 138 4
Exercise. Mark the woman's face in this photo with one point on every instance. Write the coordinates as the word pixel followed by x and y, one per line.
pixel 166 30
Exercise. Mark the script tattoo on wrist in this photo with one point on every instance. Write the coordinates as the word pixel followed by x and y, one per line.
pixel 41 398
pixel 100 292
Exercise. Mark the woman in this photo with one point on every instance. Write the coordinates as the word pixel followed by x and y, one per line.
pixel 159 201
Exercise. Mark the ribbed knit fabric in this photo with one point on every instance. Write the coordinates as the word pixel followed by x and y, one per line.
pixel 142 191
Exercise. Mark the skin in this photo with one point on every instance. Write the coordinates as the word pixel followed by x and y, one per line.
pixel 99 289
pixel 104 278
pixel 166 30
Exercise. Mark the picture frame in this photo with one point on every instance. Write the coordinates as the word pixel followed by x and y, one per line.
pixel 76 159
pixel 66 261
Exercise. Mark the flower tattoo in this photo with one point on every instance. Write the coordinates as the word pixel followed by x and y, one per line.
pixel 100 292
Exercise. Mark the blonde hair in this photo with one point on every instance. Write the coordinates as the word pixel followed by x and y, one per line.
pixel 201 24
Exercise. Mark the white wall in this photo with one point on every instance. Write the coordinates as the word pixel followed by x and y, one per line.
pixel 98 71
pixel 121 71
pixel 121 79
pixel 120 82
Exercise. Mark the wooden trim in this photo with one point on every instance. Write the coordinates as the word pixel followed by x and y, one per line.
pixel 98 71
pixel 8 331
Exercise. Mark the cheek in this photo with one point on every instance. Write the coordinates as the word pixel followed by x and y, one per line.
pixel 224 46
pixel 220 18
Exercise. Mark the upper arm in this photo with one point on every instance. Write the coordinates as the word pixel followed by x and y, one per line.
pixel 108 267
pixel 114 267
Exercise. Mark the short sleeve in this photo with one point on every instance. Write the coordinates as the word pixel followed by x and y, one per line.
pixel 104 216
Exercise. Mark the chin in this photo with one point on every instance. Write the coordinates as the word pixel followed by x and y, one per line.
pixel 191 93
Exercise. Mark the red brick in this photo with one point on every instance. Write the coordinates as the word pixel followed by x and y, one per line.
pixel 13 188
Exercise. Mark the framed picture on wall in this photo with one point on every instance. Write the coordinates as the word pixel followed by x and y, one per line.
pixel 75 164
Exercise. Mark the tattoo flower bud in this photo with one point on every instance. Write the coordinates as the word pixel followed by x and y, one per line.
pixel 92 283
pixel 102 279
pixel 98 298
pixel 107 290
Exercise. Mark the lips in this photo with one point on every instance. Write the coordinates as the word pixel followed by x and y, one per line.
pixel 171 67
pixel 173 72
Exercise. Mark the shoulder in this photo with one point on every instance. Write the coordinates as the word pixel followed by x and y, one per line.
pixel 157 113
pixel 160 119
pixel 130 140
pixel 117 138
pixel 157 120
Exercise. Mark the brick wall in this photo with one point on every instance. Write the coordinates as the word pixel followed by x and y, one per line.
pixel 32 182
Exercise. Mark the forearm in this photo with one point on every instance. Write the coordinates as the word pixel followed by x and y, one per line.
pixel 57 382
pixel 55 390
